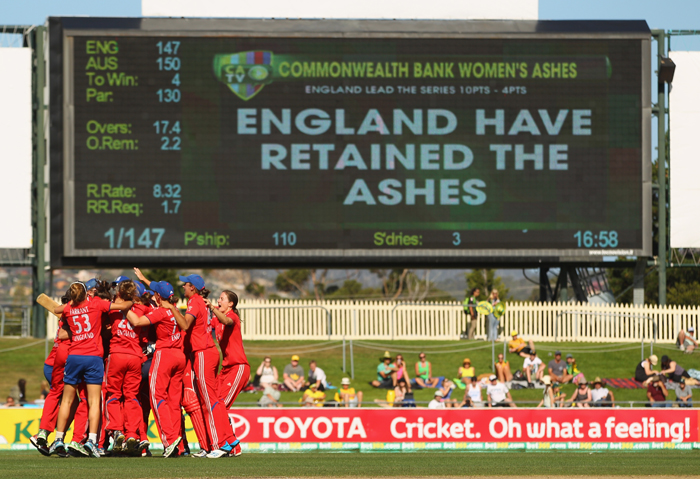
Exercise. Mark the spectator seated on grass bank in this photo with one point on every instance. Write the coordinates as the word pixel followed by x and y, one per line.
pixel 518 346
pixel 657 392
pixel 547 395
pixel 438 401
pixel 577 376
pixel 293 375
pixel 533 368
pixel 466 370
pixel 498 394
pixel 686 340
pixel 472 395
pixel 10 402
pixel 318 376
pixel 503 372
pixel 673 371
pixel 271 395
pixel 600 395
pixel 684 395
pixel 424 373
pixel 402 377
pixel 448 387
pixel 266 374
pixel 313 397
pixel 386 373
pixel 582 396
pixel 557 369
pixel 645 370
pixel 347 396
pixel 559 396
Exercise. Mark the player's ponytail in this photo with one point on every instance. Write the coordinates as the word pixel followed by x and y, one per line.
pixel 204 292
pixel 145 298
pixel 102 290
pixel 66 297
pixel 233 298
pixel 77 293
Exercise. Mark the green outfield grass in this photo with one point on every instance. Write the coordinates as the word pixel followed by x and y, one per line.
pixel 607 361
pixel 511 464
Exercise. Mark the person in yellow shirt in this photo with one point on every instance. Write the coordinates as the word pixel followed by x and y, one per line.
pixel 518 346
pixel 466 370
pixel 347 396
pixel 313 397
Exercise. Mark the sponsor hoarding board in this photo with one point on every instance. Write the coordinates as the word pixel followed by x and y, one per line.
pixel 298 429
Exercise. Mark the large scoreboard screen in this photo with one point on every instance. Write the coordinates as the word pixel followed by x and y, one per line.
pixel 253 141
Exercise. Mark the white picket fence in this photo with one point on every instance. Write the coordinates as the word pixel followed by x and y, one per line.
pixel 382 320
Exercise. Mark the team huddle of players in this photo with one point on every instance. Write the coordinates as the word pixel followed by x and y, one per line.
pixel 125 349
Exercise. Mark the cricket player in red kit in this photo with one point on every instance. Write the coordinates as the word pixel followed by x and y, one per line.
pixel 123 373
pixel 167 367
pixel 84 362
pixel 190 400
pixel 205 362
pixel 235 370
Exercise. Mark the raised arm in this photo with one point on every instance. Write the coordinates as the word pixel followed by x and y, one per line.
pixel 223 319
pixel 136 321
pixel 260 368
pixel 123 306
pixel 141 277
pixel 58 310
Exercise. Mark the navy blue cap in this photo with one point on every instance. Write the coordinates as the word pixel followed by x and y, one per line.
pixel 140 288
pixel 91 283
pixel 121 279
pixel 163 288
pixel 196 280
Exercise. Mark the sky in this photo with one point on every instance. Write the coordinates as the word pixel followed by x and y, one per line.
pixel 672 15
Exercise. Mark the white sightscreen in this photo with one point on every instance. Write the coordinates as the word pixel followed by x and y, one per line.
pixel 367 9
pixel 16 147
pixel 684 107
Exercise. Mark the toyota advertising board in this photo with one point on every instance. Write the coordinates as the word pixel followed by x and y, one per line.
pixel 464 425
pixel 367 429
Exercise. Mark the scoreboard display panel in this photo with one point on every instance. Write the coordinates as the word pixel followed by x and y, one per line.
pixel 254 141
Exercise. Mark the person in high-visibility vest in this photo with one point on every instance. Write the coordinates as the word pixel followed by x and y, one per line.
pixel 469 305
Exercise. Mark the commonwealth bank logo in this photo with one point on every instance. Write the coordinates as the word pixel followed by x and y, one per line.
pixel 245 73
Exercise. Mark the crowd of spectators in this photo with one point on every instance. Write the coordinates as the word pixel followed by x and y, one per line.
pixel 534 373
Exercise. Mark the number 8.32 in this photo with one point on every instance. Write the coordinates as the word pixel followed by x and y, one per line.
pixel 600 239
